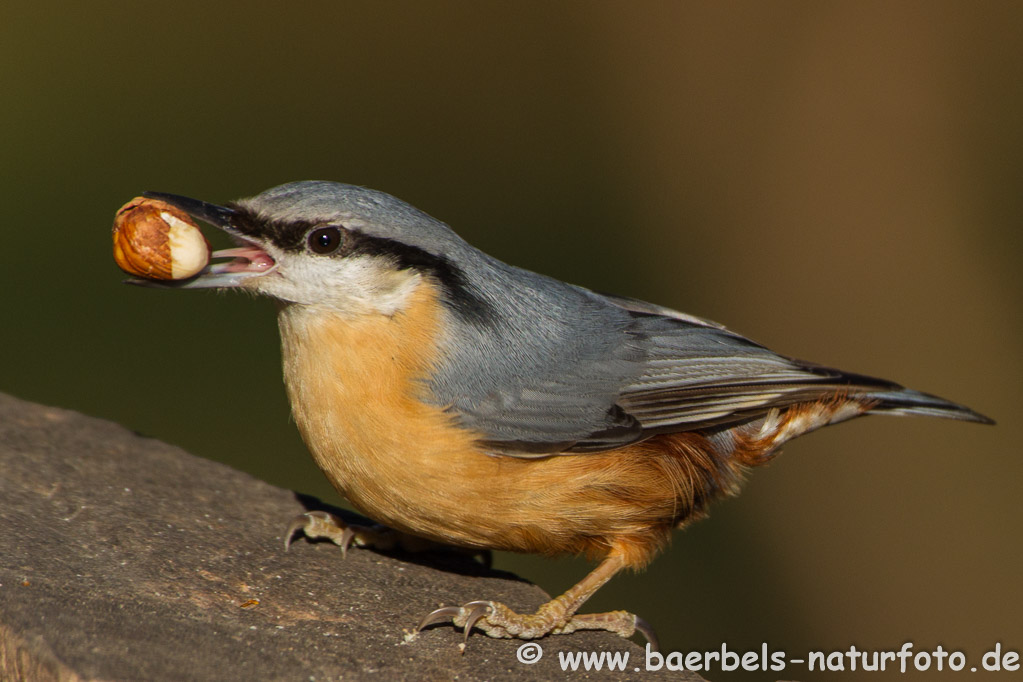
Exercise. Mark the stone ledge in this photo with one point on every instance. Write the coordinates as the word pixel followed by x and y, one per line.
pixel 125 558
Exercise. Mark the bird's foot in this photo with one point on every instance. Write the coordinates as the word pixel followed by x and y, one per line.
pixel 497 620
pixel 317 525
pixel 321 525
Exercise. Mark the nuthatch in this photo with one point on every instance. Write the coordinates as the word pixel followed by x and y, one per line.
pixel 458 399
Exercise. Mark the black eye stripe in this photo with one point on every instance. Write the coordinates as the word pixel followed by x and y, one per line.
pixel 324 240
pixel 294 236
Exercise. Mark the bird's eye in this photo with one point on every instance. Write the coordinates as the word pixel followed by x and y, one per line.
pixel 324 240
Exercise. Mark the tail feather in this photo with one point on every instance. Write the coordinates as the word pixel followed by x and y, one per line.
pixel 756 441
pixel 906 401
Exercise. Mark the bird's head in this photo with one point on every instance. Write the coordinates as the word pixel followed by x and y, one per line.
pixel 330 245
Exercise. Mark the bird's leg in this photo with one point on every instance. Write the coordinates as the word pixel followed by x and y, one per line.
pixel 555 617
pixel 317 525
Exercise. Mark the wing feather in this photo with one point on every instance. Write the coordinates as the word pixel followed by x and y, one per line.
pixel 603 372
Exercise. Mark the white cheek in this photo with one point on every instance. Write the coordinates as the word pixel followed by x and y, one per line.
pixel 351 286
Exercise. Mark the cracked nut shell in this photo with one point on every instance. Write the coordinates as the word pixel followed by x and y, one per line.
pixel 155 240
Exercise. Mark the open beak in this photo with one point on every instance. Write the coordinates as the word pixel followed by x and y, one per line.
pixel 249 259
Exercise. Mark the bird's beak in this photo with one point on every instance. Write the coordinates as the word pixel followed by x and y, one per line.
pixel 249 259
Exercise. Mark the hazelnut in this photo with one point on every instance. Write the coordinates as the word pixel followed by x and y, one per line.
pixel 156 240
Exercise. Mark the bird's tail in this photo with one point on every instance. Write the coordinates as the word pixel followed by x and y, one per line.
pixel 905 401
pixel 757 441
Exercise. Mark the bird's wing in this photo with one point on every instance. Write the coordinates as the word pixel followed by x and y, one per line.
pixel 649 370
pixel 549 396
pixel 601 372
pixel 698 377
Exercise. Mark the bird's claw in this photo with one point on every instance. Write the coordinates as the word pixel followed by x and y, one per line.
pixel 317 525
pixel 320 524
pixel 478 611
pixel 644 628
pixel 466 617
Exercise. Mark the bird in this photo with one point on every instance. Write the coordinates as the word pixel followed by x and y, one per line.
pixel 461 401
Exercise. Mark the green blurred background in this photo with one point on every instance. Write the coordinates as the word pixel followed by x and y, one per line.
pixel 840 181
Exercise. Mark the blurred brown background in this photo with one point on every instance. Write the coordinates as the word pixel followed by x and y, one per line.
pixel 840 181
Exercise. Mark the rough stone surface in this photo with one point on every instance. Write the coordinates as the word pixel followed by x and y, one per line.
pixel 124 558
